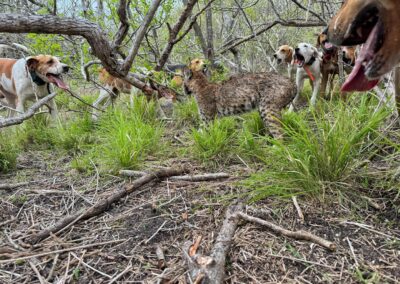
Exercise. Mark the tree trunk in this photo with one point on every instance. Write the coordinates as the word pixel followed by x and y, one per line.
pixel 210 36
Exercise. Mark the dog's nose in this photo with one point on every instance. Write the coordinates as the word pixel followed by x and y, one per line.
pixel 66 68
pixel 297 49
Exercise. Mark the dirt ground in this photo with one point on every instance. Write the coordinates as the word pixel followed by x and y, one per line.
pixel 119 246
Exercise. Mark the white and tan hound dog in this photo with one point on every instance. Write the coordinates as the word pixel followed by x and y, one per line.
pixel 308 61
pixel 26 79
pixel 285 55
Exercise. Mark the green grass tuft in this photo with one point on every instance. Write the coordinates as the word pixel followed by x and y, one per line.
pixel 187 113
pixel 214 143
pixel 37 132
pixel 322 150
pixel 127 138
pixel 76 135
pixel 9 151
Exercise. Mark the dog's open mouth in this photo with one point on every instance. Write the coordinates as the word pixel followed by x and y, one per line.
pixel 367 29
pixel 299 60
pixel 57 80
pixel 328 46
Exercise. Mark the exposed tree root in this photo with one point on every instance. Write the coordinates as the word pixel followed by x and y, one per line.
pixel 211 269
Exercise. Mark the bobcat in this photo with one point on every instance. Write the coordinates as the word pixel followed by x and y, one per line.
pixel 267 92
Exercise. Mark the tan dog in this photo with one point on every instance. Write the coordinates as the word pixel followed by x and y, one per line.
pixel 26 79
pixel 113 86
pixel 284 55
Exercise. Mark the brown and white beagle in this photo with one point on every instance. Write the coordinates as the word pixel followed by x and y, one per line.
pixel 284 55
pixel 26 79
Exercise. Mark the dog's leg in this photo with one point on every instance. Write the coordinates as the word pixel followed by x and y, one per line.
pixel 20 101
pixel 325 78
pixel 331 85
pixel 290 71
pixel 317 84
pixel 160 111
pixel 103 96
pixel 53 109
pixel 299 85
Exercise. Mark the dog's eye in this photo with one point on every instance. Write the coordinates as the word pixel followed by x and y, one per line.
pixel 51 61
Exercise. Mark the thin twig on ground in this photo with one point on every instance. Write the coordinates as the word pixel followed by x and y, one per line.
pixel 7 186
pixel 298 235
pixel 193 178
pixel 298 209
pixel 60 251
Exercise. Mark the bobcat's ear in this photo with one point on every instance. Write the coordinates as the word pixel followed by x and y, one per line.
pixel 187 73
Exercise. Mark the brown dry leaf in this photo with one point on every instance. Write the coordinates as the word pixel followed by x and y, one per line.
pixel 193 249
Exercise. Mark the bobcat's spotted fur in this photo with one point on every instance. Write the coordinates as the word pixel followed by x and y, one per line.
pixel 267 92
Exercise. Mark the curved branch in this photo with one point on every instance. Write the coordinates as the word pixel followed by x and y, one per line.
pixel 232 44
pixel 28 114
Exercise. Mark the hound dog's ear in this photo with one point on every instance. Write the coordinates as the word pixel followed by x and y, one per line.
pixel 318 45
pixel 32 63
pixel 187 73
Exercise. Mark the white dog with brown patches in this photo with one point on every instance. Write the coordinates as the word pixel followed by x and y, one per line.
pixel 28 79
pixel 308 61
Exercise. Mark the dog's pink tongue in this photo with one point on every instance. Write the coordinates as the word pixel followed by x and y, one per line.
pixel 328 45
pixel 357 80
pixel 59 83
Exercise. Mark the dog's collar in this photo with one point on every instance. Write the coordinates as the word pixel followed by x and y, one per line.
pixel 36 79
pixel 311 61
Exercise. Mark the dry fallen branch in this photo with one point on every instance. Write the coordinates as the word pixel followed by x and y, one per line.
pixel 211 269
pixel 298 235
pixel 25 257
pixel 104 204
pixel 7 222
pixel 298 209
pixel 7 186
pixel 28 114
pixel 194 178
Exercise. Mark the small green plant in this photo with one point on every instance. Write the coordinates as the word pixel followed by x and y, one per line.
pixel 322 150
pixel 367 277
pixel 127 137
pixel 9 151
pixel 187 113
pixel 75 135
pixel 251 140
pixel 37 132
pixel 215 142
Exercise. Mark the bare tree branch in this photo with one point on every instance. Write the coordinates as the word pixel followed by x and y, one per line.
pixel 28 114
pixel 236 42
pixel 140 36
pixel 173 33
